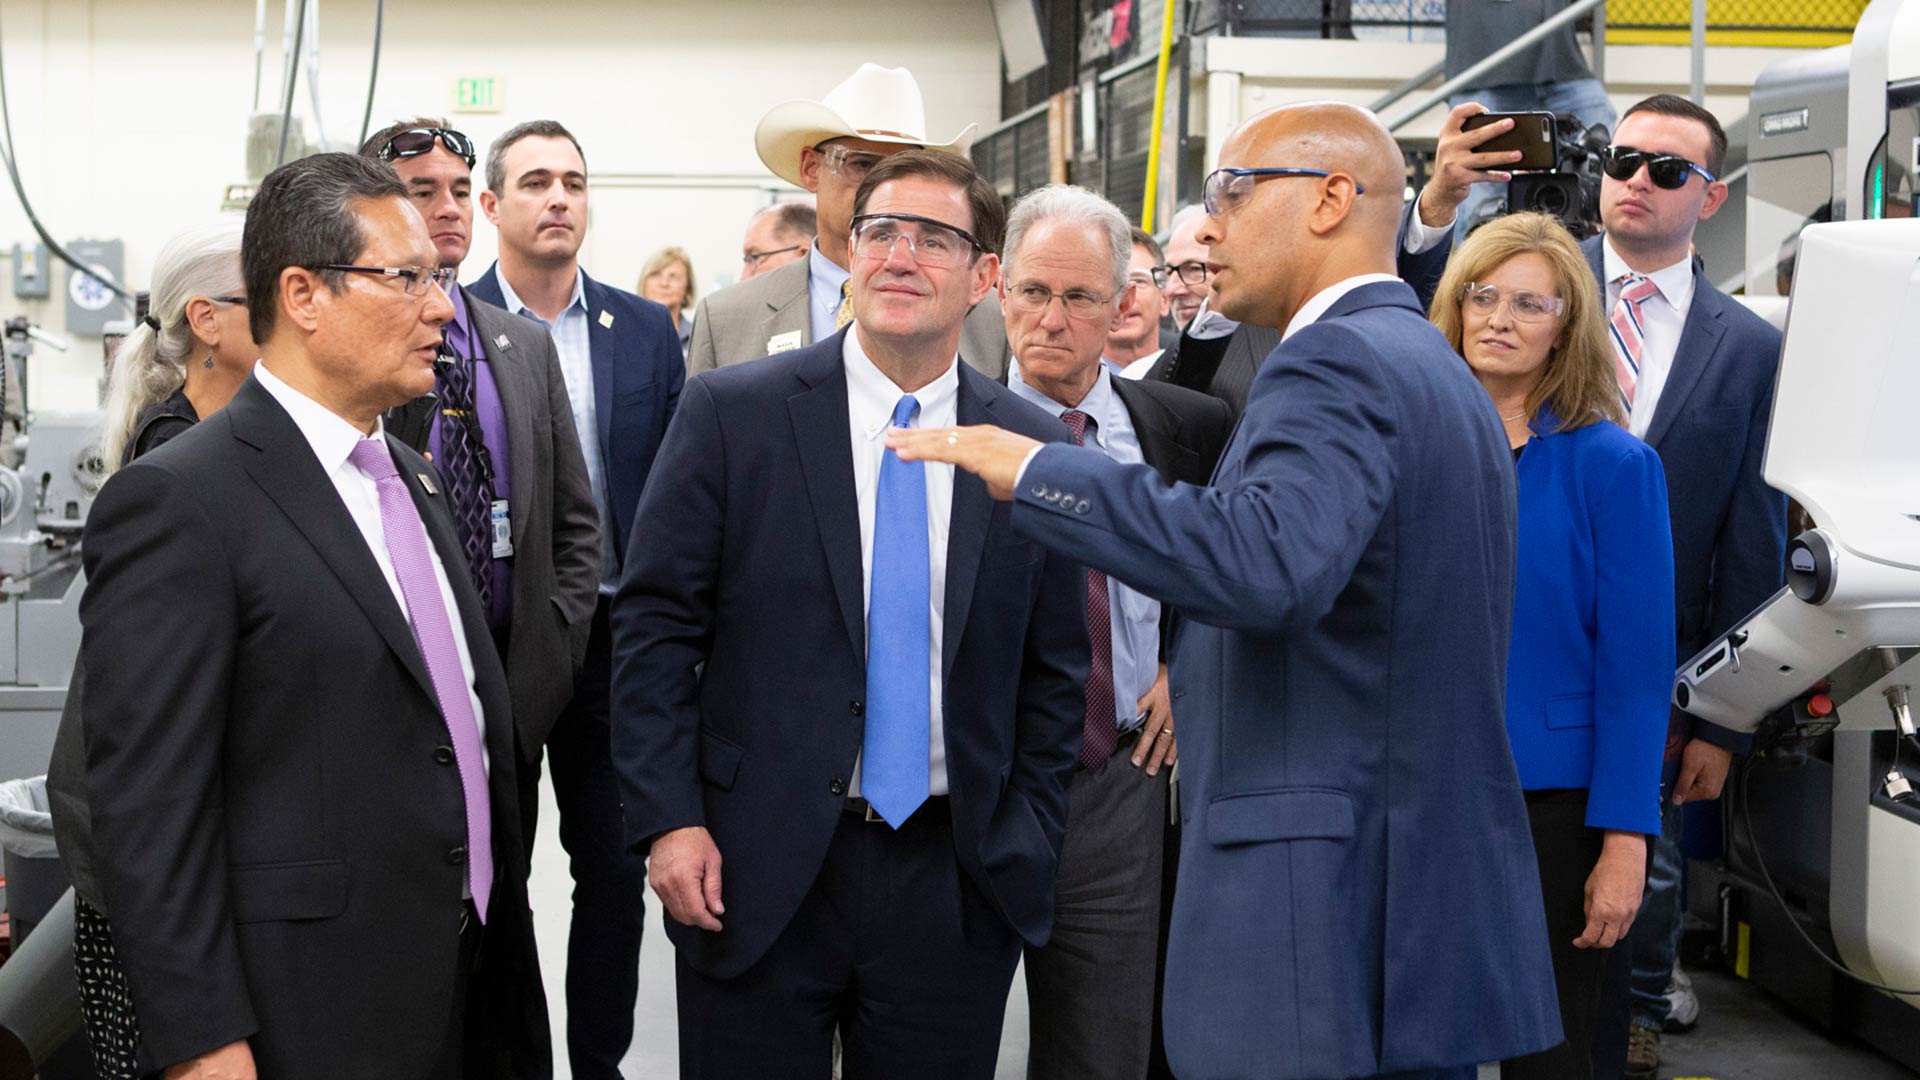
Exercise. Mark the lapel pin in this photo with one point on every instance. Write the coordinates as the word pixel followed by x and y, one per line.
pixel 427 482
pixel 503 341
pixel 606 320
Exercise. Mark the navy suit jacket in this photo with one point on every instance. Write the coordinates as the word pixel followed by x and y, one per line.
pixel 1358 892
pixel 740 654
pixel 637 374
pixel 1590 672
pixel 1710 429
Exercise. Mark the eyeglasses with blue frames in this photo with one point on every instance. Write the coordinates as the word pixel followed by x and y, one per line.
pixel 1669 171
pixel 930 242
pixel 1226 189
pixel 416 278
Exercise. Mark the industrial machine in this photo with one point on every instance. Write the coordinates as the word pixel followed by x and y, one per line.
pixel 1817 896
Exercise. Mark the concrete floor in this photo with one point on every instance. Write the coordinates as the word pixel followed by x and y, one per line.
pixel 1743 1035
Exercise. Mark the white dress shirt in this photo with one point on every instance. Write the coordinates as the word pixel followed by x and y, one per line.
pixel 1134 626
pixel 1139 368
pixel 333 439
pixel 1422 236
pixel 871 397
pixel 1208 324
pixel 573 340
pixel 1662 318
pixel 1321 302
pixel 824 280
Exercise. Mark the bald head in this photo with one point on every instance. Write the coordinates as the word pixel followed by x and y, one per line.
pixel 1286 237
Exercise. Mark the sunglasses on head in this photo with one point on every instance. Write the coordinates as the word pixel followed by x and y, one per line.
pixel 1669 171
pixel 416 141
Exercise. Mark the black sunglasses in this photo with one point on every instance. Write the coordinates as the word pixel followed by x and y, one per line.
pixel 416 141
pixel 1670 171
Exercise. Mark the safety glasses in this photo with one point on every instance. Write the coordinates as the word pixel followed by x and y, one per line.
pixel 1669 171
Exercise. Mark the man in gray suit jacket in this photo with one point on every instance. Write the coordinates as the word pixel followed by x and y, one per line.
pixel 827 147
pixel 532 532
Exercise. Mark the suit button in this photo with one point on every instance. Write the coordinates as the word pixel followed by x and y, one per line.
pixel 1053 496
pixel 838 787
pixel 857 707
pixel 1039 491
pixel 443 755
pixel 1066 498
pixel 456 856
pixel 1080 507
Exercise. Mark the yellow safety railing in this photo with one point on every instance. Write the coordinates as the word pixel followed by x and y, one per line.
pixel 1799 24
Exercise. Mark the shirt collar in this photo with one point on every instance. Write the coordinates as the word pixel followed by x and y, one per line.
pixel 514 305
pixel 459 329
pixel 1674 282
pixel 1208 324
pixel 871 395
pixel 330 435
pixel 1099 402
pixel 825 270
pixel 1322 302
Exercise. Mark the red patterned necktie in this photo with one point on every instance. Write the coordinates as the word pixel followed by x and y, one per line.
pixel 1102 734
pixel 1629 331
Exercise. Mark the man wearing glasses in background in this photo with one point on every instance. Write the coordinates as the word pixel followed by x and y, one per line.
pixel 1133 344
pixel 848 698
pixel 776 236
pixel 827 147
pixel 622 370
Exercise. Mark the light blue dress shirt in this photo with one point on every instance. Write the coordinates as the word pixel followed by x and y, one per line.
pixel 1135 618
pixel 823 292
pixel 573 341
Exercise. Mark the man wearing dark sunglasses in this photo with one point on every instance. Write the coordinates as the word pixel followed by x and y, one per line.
pixel 501 432
pixel 1697 371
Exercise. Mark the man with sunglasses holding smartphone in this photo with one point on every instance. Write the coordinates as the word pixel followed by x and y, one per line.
pixel 1696 372
pixel 827 147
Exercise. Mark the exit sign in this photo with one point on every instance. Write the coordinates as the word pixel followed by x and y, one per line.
pixel 477 94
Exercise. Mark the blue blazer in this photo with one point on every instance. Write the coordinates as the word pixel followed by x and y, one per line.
pixel 637 375
pixel 1358 893
pixel 739 652
pixel 1590 670
pixel 1710 430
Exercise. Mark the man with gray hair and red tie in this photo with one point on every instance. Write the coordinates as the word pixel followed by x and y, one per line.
pixel 298 740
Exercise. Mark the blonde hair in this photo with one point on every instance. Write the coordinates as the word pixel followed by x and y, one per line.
pixel 150 363
pixel 659 261
pixel 1579 382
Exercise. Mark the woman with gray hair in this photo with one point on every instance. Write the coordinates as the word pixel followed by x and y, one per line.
pixel 186 357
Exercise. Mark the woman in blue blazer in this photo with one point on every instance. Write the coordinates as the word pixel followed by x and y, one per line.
pixel 1590 663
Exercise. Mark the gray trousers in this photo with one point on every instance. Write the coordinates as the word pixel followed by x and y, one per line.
pixel 1090 990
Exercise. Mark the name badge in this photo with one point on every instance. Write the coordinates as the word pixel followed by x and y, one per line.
pixel 502 530
pixel 780 343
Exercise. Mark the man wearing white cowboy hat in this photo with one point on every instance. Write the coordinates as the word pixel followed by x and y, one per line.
pixel 826 147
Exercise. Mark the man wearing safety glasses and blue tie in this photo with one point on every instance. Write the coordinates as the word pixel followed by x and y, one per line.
pixel 1354 894
pixel 847 697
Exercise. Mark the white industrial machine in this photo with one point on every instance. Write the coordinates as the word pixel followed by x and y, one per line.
pixel 1818 893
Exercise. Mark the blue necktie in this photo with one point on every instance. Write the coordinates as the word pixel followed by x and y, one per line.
pixel 893 757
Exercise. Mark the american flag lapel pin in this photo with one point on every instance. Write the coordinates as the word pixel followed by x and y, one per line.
pixel 503 341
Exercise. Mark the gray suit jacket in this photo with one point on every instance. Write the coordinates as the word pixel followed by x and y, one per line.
pixel 739 323
pixel 556 527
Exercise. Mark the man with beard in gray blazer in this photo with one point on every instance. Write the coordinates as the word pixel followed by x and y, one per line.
pixel 826 147
pixel 500 430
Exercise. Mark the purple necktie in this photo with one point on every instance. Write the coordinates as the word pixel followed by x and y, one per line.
pixel 433 631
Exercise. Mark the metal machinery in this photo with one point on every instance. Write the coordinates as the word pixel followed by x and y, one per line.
pixel 43 507
pixel 1823 828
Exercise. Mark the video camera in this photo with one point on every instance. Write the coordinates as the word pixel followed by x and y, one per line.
pixel 1569 190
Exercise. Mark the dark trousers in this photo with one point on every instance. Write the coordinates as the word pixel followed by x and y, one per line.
pixel 609 881
pixel 892 946
pixel 1090 989
pixel 1566 850
pixel 1654 924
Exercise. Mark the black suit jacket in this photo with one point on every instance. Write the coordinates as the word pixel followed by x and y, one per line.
pixel 555 525
pixel 740 643
pixel 277 833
